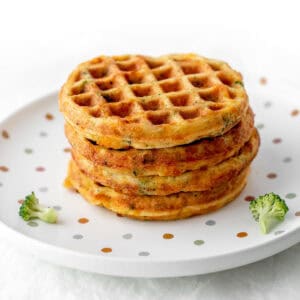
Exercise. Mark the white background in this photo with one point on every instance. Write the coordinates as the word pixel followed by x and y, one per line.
pixel 41 41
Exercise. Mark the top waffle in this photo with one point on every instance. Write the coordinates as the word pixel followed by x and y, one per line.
pixel 145 102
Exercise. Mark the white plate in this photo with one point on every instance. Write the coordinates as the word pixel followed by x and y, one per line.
pixel 36 161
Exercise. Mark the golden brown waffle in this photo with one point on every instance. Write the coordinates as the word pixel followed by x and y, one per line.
pixel 196 180
pixel 168 161
pixel 172 207
pixel 145 102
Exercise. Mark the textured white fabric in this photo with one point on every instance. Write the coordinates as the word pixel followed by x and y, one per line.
pixel 42 41
pixel 25 277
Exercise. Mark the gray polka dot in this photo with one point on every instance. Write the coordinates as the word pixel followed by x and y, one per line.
pixel 28 151
pixel 57 207
pixel 43 134
pixel 290 195
pixel 210 222
pixel 198 242
pixel 278 232
pixel 32 224
pixel 144 253
pixel 1 184
pixel 287 159
pixel 127 236
pixel 43 189
pixel 77 236
pixel 267 104
pixel 260 126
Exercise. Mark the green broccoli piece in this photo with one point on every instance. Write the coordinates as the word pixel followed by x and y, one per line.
pixel 268 211
pixel 31 209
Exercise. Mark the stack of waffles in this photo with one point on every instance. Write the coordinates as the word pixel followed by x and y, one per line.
pixel 158 138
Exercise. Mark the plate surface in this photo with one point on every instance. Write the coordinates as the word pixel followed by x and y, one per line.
pixel 34 155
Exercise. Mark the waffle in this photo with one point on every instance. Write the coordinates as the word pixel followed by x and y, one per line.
pixel 169 161
pixel 197 180
pixel 145 102
pixel 172 207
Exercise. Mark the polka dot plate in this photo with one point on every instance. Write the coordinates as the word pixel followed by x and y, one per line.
pixel 34 155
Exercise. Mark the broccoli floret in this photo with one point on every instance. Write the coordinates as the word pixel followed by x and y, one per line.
pixel 31 209
pixel 268 211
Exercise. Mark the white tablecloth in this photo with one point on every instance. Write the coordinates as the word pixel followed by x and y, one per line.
pixel 26 277
pixel 41 42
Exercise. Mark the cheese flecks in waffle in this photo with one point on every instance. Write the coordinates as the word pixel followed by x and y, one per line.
pixel 191 181
pixel 172 207
pixel 152 102
pixel 172 161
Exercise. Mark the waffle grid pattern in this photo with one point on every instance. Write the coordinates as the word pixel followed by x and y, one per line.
pixel 163 90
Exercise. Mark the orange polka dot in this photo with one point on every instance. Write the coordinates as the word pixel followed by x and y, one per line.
pixel 242 234
pixel 295 112
pixel 83 220
pixel 5 134
pixel 20 201
pixel 49 117
pixel 168 236
pixel 67 150
pixel 297 214
pixel 106 250
pixel 4 169
pixel 263 81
